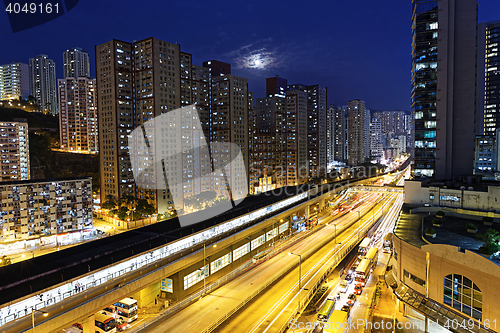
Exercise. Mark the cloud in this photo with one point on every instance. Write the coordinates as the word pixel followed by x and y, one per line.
pixel 268 53
pixel 261 54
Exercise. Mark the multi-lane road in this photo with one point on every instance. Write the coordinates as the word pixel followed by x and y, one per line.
pixel 269 311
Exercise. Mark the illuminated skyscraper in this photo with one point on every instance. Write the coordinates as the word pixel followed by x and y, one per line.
pixel 140 81
pixel 443 86
pixel 358 132
pixel 76 63
pixel 14 149
pixel 78 115
pixel 14 81
pixel 316 128
pixel 43 82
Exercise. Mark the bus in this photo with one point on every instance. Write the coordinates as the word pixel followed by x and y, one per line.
pixel 337 323
pixel 365 244
pixel 363 271
pixel 372 255
pixel 104 323
pixel 326 311
pixel 127 309
pixel 312 221
pixel 259 256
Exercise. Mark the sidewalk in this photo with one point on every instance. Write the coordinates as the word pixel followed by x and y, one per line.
pixel 387 307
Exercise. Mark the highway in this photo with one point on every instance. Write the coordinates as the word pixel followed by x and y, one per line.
pixel 281 296
pixel 254 320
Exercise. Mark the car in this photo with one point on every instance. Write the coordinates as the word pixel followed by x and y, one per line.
pixel 346 308
pixel 79 326
pixel 343 286
pixel 351 299
pixel 121 325
pixel 358 289
pixel 348 278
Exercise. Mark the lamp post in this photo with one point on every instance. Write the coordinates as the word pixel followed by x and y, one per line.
pixel 300 273
pixel 204 258
pixel 33 310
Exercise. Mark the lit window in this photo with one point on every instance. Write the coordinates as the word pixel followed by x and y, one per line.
pixel 463 295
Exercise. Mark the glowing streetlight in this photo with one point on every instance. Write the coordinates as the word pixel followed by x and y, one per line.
pixel 33 310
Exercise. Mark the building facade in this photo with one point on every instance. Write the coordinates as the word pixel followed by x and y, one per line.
pixel 443 92
pixel 76 63
pixel 458 284
pixel 14 147
pixel 316 128
pixel 140 81
pixel 32 209
pixel 14 81
pixel 279 150
pixel 78 115
pixel 358 133
pixel 43 82
pixel 376 148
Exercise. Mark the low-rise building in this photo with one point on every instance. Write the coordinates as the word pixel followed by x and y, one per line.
pixel 482 196
pixel 442 277
pixel 33 209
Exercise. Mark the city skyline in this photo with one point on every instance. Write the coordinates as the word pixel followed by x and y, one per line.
pixel 327 55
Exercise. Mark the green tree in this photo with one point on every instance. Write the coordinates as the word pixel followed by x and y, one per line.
pixel 109 205
pixel 144 207
pixel 491 238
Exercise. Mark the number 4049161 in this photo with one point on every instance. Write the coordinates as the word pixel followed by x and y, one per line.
pixel 32 8
pixel 469 324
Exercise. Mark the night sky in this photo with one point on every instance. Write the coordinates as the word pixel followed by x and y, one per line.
pixel 358 49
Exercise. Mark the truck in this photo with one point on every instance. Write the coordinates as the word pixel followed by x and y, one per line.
pixel 365 244
pixel 337 323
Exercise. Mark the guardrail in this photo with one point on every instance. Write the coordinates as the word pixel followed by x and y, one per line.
pixel 312 291
pixel 225 279
pixel 245 267
pixel 437 312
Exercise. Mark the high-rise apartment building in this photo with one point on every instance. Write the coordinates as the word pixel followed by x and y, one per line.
pixel 316 127
pixel 487 97
pixel 14 81
pixel 43 82
pixel 138 82
pixel 229 125
pixel 339 133
pixel 76 63
pixel 443 86
pixel 358 133
pixel 14 148
pixel 78 114
pixel 279 150
pixel 376 149
pixel 330 134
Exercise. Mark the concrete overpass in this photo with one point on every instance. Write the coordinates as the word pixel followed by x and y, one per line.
pixel 140 274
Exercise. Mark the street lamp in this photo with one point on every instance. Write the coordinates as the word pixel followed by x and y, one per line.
pixel 204 258
pixel 45 314
pixel 300 266
pixel 359 222
pixel 300 273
